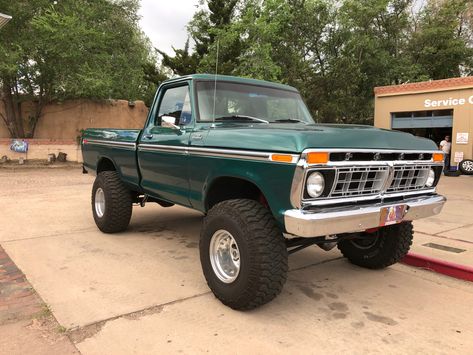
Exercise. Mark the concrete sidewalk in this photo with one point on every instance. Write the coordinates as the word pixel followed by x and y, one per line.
pixel 143 292
pixel 449 235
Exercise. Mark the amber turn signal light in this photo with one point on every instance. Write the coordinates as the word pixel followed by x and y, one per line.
pixel 317 157
pixel 437 157
pixel 283 158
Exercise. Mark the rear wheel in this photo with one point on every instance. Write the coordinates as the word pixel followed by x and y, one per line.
pixel 243 254
pixel 385 247
pixel 111 202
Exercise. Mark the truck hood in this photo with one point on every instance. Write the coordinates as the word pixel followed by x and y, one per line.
pixel 294 138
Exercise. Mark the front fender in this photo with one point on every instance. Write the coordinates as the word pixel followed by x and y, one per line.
pixel 273 179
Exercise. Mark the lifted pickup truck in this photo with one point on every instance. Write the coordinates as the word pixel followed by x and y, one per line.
pixel 270 182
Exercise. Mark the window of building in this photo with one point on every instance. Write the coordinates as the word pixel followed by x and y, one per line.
pixel 422 119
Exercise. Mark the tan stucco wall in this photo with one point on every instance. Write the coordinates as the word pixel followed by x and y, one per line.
pixel 65 120
pixel 414 101
pixel 40 148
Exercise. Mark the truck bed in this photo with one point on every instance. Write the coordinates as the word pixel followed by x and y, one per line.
pixel 116 145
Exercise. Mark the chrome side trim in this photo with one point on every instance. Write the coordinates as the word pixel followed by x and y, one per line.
pixel 355 219
pixel 215 152
pixel 162 148
pixel 229 153
pixel 115 144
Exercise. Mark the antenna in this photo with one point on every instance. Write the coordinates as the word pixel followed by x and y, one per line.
pixel 215 83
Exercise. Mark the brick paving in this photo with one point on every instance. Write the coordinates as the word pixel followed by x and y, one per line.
pixel 18 300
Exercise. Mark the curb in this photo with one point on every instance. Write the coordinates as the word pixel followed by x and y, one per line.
pixel 457 271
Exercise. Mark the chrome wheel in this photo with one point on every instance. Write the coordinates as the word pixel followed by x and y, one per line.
pixel 99 202
pixel 224 256
pixel 467 165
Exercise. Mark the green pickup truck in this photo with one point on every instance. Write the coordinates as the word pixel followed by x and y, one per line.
pixel 269 181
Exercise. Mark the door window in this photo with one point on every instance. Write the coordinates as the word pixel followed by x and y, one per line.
pixel 175 104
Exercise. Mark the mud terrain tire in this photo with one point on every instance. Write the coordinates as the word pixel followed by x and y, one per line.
pixel 111 202
pixel 387 248
pixel 258 248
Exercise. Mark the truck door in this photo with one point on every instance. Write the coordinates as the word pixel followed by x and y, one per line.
pixel 162 148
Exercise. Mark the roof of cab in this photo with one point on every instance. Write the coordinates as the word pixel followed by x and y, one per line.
pixel 235 79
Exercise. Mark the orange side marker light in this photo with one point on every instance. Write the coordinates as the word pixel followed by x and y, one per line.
pixel 282 158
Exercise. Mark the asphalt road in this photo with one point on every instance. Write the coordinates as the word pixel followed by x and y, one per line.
pixel 142 291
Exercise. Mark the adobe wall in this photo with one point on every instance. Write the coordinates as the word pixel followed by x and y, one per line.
pixel 40 148
pixel 60 125
pixel 63 121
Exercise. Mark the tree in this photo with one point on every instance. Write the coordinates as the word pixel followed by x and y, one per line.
pixel 334 52
pixel 441 47
pixel 183 63
pixel 69 49
pixel 208 23
pixel 154 75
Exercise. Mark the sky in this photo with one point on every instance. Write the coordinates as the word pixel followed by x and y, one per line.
pixel 164 22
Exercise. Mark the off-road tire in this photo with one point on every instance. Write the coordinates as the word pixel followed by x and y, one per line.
pixel 466 166
pixel 391 245
pixel 263 253
pixel 118 203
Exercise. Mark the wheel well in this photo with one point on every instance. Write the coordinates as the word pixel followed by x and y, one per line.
pixel 227 188
pixel 105 164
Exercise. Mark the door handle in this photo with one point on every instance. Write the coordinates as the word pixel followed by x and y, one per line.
pixel 148 136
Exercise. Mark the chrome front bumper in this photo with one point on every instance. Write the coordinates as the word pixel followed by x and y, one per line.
pixel 355 219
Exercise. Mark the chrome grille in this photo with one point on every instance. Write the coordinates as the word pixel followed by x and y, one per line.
pixel 409 177
pixel 359 181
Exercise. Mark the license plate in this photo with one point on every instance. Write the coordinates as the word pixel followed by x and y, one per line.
pixel 392 215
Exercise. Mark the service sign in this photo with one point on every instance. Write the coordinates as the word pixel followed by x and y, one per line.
pixel 451 101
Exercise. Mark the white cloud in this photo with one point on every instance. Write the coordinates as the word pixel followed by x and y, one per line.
pixel 164 22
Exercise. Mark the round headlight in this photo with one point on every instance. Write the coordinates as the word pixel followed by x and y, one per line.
pixel 430 179
pixel 315 184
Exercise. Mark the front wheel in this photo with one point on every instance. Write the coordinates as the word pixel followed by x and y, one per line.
pixel 111 202
pixel 385 247
pixel 243 254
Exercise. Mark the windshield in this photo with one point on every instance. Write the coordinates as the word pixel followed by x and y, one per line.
pixel 242 102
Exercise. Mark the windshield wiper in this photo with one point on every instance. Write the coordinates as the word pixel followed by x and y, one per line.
pixel 288 120
pixel 240 117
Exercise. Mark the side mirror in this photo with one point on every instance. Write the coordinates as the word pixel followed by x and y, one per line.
pixel 169 122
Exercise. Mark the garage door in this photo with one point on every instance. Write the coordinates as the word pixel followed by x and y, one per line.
pixel 422 119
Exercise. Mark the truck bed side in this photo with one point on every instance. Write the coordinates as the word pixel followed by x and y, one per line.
pixel 112 149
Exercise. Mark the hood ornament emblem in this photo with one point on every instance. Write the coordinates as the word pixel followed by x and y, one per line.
pixel 377 156
pixel 421 156
pixel 348 156
pixel 401 156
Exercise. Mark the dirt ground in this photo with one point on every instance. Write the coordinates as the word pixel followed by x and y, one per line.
pixel 143 292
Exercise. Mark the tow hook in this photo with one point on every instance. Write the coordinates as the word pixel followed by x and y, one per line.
pixel 143 201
